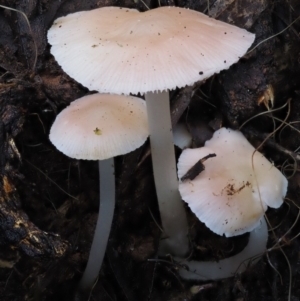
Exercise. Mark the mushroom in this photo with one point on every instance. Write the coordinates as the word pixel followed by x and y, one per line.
pixel 236 186
pixel 231 194
pixel 181 136
pixel 120 50
pixel 100 127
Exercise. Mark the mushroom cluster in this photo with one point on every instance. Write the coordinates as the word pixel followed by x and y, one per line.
pixel 121 50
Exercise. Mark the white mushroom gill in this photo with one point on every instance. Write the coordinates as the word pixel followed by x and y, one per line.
pixel 121 50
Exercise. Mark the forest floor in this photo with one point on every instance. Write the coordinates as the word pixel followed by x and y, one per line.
pixel 49 202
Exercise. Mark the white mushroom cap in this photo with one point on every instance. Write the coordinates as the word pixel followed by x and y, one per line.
pixel 115 50
pixel 100 126
pixel 181 136
pixel 229 196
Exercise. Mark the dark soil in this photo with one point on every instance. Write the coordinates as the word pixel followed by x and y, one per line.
pixel 49 203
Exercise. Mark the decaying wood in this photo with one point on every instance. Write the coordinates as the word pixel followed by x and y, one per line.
pixel 16 230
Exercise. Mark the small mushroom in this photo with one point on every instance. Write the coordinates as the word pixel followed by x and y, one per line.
pixel 181 136
pixel 230 196
pixel 100 127
pixel 120 50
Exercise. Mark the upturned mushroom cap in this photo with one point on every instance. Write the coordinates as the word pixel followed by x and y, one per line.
pixel 100 126
pixel 120 50
pixel 229 196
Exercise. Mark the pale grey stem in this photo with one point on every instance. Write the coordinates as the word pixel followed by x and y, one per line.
pixel 201 270
pixel 172 212
pixel 104 222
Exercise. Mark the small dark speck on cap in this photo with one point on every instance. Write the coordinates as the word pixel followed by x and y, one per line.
pixel 201 72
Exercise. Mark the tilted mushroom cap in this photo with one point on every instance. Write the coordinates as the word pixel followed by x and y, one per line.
pixel 225 196
pixel 115 50
pixel 100 126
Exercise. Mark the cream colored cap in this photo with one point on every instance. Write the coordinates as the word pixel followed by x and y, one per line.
pixel 225 196
pixel 100 126
pixel 120 50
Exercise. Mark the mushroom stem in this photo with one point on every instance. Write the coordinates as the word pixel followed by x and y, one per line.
pixel 172 213
pixel 200 270
pixel 105 216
